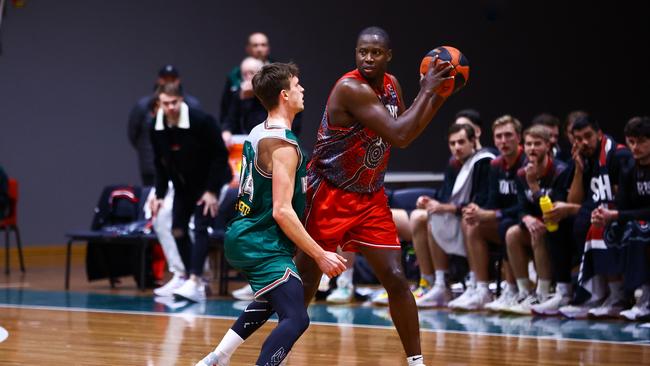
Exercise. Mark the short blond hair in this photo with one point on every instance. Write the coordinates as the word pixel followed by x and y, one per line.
pixel 507 119
pixel 538 131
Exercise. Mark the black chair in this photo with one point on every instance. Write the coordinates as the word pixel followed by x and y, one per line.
pixel 101 242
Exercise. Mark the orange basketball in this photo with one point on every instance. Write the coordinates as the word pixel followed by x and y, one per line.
pixel 458 61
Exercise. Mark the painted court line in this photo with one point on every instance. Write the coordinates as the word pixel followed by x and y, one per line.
pixel 347 325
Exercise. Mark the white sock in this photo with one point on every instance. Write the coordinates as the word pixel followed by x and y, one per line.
pixel 564 289
pixel 482 285
pixel 415 360
pixel 230 342
pixel 429 278
pixel 599 287
pixel 645 290
pixel 511 287
pixel 440 278
pixel 522 285
pixel 543 287
pixel 471 279
pixel 345 278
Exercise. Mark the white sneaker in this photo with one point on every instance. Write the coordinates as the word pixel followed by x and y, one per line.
pixel 476 301
pixel 612 307
pixel 341 295
pixel 524 306
pixel 552 305
pixel 245 293
pixel 640 310
pixel 423 287
pixel 191 291
pixel 439 296
pixel 579 311
pixel 324 284
pixel 212 359
pixel 168 288
pixel 453 304
pixel 505 300
pixel 381 298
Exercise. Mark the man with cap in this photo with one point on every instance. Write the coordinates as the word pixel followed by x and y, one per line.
pixel 140 123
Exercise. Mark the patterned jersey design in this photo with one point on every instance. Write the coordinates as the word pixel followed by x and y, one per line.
pixel 353 158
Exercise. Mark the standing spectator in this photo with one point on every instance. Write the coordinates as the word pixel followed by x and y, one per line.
pixel 141 117
pixel 188 151
pixel 257 47
pixel 245 110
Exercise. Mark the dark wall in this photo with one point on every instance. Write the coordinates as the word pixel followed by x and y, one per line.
pixel 71 70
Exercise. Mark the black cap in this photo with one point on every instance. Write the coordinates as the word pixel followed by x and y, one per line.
pixel 168 70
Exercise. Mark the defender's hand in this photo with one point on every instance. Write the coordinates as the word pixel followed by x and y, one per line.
pixel 331 264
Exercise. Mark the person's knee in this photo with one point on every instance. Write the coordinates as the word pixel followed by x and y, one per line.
pixel 513 236
pixel 394 279
pixel 303 322
pixel 418 219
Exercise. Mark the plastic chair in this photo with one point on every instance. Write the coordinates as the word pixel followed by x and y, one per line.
pixel 10 223
pixel 405 198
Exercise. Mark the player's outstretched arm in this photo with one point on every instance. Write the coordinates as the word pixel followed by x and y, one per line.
pixel 361 102
pixel 284 157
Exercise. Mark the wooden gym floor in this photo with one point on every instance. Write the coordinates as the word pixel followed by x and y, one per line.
pixel 93 324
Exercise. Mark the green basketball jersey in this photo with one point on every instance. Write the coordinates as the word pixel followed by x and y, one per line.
pixel 254 243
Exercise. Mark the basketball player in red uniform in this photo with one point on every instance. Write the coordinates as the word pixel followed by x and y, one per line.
pixel 346 202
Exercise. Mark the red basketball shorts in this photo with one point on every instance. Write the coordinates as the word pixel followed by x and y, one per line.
pixel 335 217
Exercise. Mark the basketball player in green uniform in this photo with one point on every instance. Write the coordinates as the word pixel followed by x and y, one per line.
pixel 260 240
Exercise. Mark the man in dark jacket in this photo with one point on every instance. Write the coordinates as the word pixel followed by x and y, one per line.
pixel 189 151
pixel 140 122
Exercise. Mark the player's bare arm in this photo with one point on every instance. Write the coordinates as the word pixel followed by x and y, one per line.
pixel 353 100
pixel 283 163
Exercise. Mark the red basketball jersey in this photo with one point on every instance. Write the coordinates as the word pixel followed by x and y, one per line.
pixel 353 158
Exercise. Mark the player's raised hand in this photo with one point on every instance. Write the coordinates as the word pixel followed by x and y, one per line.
pixel 331 264
pixel 436 77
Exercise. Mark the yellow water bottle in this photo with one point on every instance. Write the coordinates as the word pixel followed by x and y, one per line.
pixel 546 205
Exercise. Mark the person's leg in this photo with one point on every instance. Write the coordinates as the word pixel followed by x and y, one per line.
pixel 418 224
pixel 310 275
pixel 401 220
pixel 516 241
pixel 476 236
pixel 200 245
pixel 181 213
pixel 542 265
pixel 560 249
pixel 162 225
pixel 249 321
pixel 387 266
pixel 440 258
pixel 286 300
pixel 476 239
